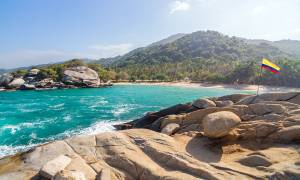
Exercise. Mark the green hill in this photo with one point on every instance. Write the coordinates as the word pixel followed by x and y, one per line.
pixel 208 56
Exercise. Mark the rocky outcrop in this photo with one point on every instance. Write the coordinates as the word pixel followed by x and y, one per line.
pixel 219 124
pixel 203 103
pixel 5 79
pixel 258 139
pixel 16 83
pixel 82 76
pixel 74 77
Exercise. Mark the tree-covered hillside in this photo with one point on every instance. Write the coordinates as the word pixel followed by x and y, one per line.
pixel 209 56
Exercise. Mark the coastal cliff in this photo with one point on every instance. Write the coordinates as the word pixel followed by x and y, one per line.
pixel 231 137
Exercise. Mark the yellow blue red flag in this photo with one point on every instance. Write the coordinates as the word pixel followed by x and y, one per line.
pixel 266 64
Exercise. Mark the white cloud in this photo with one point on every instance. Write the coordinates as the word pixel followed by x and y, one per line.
pixel 29 57
pixel 179 6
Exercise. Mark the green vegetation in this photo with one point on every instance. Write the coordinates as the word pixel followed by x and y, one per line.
pixel 203 56
pixel 208 56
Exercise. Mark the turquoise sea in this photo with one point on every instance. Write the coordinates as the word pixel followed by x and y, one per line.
pixel 28 118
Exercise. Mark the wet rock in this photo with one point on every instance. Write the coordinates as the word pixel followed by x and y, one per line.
pixel 170 129
pixel 203 103
pixel 51 168
pixel 219 124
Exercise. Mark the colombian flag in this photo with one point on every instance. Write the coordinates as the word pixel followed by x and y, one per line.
pixel 266 64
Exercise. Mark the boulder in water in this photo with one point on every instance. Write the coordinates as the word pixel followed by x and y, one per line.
pixel 81 76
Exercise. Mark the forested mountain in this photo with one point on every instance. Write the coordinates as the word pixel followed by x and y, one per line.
pixel 209 56
pixel 202 44
pixel 288 46
pixel 203 56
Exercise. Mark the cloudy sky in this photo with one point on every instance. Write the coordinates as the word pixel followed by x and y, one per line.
pixel 37 32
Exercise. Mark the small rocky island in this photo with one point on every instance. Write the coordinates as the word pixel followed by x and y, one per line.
pixel 236 136
pixel 72 77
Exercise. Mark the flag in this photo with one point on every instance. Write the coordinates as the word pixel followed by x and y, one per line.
pixel 266 64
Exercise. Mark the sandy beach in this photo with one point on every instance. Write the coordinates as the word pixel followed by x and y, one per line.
pixel 262 89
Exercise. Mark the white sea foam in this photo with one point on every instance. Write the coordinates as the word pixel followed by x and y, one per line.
pixel 9 150
pixel 99 127
pixel 122 109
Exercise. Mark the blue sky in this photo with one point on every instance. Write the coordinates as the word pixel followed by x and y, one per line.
pixel 43 31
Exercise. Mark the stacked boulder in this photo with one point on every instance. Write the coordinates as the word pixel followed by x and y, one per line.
pixel 73 77
pixel 273 117
pixel 81 76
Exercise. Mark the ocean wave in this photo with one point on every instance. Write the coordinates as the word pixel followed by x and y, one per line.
pixel 10 150
pixel 99 127
pixel 122 109
pixel 14 128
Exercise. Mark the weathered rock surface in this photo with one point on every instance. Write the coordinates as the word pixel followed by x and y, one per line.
pixel 203 103
pixel 219 124
pixel 16 83
pixel 5 79
pixel 224 103
pixel 81 75
pixel 256 140
pixel 51 168
pixel 170 128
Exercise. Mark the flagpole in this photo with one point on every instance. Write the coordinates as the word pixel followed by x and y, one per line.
pixel 259 80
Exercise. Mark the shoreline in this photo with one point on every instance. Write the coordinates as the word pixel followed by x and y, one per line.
pixel 246 87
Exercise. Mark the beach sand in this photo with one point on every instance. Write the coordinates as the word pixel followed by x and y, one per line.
pixel 262 89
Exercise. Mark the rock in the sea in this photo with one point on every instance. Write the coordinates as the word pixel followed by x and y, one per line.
pixel 16 83
pixel 69 175
pixel 255 160
pixel 170 128
pixel 54 166
pixel 5 79
pixel 224 103
pixel 81 76
pixel 219 124
pixel 45 83
pixel 27 87
pixel 203 103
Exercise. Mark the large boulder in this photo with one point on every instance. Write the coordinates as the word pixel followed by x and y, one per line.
pixel 16 83
pixel 81 76
pixel 203 103
pixel 5 79
pixel 219 124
